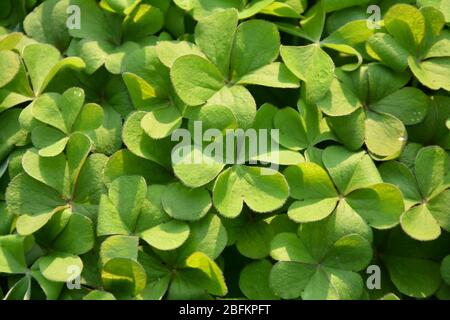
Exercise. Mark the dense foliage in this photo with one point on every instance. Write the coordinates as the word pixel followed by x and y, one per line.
pixel 93 206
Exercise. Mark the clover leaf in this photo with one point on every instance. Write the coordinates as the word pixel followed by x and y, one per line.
pixel 254 281
pixel 311 63
pixel 12 134
pixel 47 23
pixel 130 208
pixel 41 63
pixel 302 130
pixel 58 116
pixel 50 270
pixel 434 129
pixel 322 260
pixel 350 182
pixel 247 8
pixel 241 184
pixel 148 81
pixel 224 43
pixel 97 46
pixel 413 266
pixel 425 191
pixel 414 38
pixel 54 184
pixel 374 100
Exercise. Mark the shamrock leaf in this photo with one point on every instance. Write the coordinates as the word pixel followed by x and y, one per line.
pixel 42 62
pixel 109 92
pixel 48 271
pixel 121 273
pixel 226 63
pixel 413 266
pixel 47 23
pixel 97 46
pixel 130 208
pixel 59 116
pixel 286 8
pixel 240 184
pixel 140 144
pixel 218 125
pixel 369 99
pixel 442 5
pixel 54 184
pixel 251 233
pixel 311 63
pixel 196 273
pixel 124 163
pixel 202 8
pixel 414 38
pixel 425 191
pixel 434 129
pixel 151 90
pixel 254 281
pixel 350 183
pixel 197 277
pixel 304 130
pixel 11 134
pixel 322 260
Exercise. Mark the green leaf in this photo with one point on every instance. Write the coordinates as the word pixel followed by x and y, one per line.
pixel 385 135
pixel 124 163
pixel 256 45
pixel 381 205
pixel 161 122
pixel 310 184
pixel 383 47
pixel 99 295
pixel 254 242
pixel 214 34
pixel 324 255
pixel 184 203
pixel 445 267
pixel 208 235
pixel 406 24
pixel 192 172
pixel 251 185
pixel 48 23
pixel 60 266
pixel 350 170
pixel 196 79
pixel 118 246
pixel 167 236
pixel 43 63
pixel 414 277
pixel 170 51
pixel 123 277
pixel 143 21
pixel 216 283
pixel 419 223
pixel 9 66
pixel 12 254
pixel 139 143
pixel 414 105
pixel 253 281
pixel 33 201
pixel 432 164
pixel 274 75
pixel 119 211
pixel 319 71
